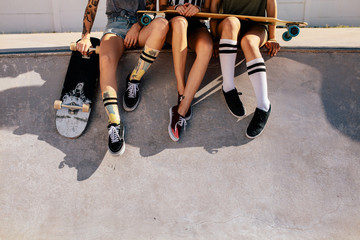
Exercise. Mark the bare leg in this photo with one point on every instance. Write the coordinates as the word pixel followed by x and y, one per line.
pixel 252 41
pixel 178 40
pixel 112 48
pixel 154 34
pixel 229 28
pixel 202 43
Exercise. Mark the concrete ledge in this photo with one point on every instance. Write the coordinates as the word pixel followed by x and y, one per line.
pixel 32 52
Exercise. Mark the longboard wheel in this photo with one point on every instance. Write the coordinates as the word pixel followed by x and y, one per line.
pixel 294 30
pixel 286 36
pixel 145 20
pixel 57 104
pixel 85 107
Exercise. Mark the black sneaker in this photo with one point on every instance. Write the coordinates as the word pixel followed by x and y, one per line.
pixel 188 115
pixel 258 122
pixel 131 96
pixel 176 124
pixel 116 138
pixel 234 103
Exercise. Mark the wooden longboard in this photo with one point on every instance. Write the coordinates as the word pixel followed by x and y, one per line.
pixel 293 27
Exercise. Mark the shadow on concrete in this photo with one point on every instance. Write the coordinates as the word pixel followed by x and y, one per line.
pixel 340 92
pixel 333 76
pixel 34 84
pixel 212 127
pixel 30 110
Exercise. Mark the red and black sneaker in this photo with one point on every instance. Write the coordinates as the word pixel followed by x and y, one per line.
pixel 188 115
pixel 176 123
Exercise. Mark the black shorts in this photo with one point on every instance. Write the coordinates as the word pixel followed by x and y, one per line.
pixel 247 25
pixel 193 24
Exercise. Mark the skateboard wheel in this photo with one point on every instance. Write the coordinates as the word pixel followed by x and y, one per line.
pixel 85 107
pixel 286 36
pixel 57 104
pixel 145 20
pixel 294 30
pixel 97 49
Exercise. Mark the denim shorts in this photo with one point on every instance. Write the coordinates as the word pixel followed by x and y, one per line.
pixel 120 25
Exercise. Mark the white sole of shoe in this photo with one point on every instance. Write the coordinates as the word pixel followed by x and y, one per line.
pixel 169 128
pixel 126 108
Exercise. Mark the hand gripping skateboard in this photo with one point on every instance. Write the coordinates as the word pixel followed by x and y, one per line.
pixel 292 27
pixel 74 106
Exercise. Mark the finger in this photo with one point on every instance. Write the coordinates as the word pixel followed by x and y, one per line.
pixel 82 49
pixel 131 43
pixel 126 44
pixel 180 10
pixel 191 10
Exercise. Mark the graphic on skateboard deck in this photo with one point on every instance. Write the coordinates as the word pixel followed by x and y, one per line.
pixel 74 106
pixel 293 28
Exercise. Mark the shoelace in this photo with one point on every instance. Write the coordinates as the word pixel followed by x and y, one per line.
pixel 132 89
pixel 113 134
pixel 182 122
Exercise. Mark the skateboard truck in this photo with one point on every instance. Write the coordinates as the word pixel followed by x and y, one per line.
pixel 91 49
pixel 58 104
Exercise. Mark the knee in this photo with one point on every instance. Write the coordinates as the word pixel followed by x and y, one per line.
pixel 106 61
pixel 249 43
pixel 179 24
pixel 160 26
pixel 231 24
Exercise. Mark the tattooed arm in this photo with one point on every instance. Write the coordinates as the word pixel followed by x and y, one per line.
pixel 89 17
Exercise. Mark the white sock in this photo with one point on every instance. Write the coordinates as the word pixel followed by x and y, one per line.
pixel 227 54
pixel 257 73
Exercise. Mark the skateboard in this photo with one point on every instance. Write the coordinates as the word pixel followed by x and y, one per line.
pixel 74 105
pixel 293 28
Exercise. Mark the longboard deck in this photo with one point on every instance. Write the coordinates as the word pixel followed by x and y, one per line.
pixel 266 20
pixel 292 27
pixel 78 90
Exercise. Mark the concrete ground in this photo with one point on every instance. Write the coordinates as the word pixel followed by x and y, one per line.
pixel 299 180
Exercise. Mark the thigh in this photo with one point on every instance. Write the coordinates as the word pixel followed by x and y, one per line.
pixel 157 26
pixel 200 38
pixel 256 34
pixel 111 47
pixel 179 23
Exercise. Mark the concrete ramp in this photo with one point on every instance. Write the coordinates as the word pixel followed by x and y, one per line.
pixel 299 180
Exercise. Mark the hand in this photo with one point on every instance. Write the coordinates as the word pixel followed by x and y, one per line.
pixel 190 10
pixel 273 47
pixel 132 36
pixel 187 10
pixel 83 46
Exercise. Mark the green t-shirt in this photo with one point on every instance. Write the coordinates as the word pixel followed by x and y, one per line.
pixel 244 7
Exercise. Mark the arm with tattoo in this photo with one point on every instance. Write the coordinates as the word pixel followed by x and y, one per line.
pixel 89 17
pixel 88 21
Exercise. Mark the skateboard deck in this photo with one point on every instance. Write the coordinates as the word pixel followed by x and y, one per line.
pixel 74 106
pixel 293 27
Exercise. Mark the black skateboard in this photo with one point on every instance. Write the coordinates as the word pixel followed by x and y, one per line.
pixel 74 106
